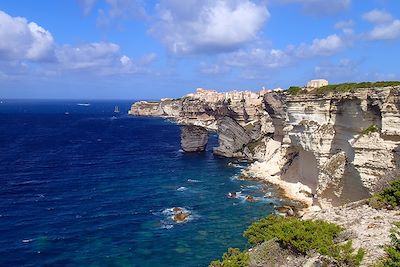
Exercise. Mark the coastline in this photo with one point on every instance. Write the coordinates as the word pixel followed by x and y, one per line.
pixel 319 151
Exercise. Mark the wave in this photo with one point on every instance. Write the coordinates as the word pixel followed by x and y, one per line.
pixel 182 188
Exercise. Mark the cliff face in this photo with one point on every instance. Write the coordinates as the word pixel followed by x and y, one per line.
pixel 338 147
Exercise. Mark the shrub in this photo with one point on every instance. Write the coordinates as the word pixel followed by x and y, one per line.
pixel 392 258
pixel 344 254
pixel 347 87
pixel 304 236
pixel 388 197
pixel 294 90
pixel 233 258
pixel 370 129
pixel 300 235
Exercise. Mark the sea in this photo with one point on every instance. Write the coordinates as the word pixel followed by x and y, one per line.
pixel 81 185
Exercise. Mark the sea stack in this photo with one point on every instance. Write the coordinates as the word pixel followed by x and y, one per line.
pixel 193 138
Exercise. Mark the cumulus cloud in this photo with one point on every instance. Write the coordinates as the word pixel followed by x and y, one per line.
pixel 198 26
pixel 23 40
pixel 389 31
pixel 258 58
pixel 386 26
pixel 252 61
pixel 101 58
pixel 321 7
pixel 346 26
pixel 25 46
pixel 321 47
pixel 378 16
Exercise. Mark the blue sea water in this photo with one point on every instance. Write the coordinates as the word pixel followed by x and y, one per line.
pixel 83 186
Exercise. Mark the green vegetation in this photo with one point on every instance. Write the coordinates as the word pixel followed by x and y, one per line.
pixel 233 258
pixel 370 129
pixel 392 258
pixel 387 198
pixel 299 236
pixel 347 87
pixel 393 250
pixel 294 90
pixel 303 236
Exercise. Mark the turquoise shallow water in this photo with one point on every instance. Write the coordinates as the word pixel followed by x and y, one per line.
pixel 92 188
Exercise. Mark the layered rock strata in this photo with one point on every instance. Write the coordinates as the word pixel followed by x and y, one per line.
pixel 193 138
pixel 325 149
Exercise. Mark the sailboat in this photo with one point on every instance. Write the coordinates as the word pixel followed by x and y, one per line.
pixel 116 109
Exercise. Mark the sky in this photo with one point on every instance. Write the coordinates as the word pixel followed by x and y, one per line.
pixel 149 49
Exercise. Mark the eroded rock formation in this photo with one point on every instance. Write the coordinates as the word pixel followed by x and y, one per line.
pixel 193 138
pixel 337 147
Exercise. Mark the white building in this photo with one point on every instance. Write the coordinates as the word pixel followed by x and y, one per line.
pixel 317 83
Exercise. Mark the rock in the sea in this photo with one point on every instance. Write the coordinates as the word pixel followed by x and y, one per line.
pixel 251 198
pixel 193 138
pixel 180 215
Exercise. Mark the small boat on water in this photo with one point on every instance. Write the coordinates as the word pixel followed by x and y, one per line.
pixel 116 109
pixel 83 104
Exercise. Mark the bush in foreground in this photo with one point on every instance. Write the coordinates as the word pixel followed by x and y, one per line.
pixel 387 198
pixel 299 236
pixel 233 258
pixel 304 236
pixel 392 258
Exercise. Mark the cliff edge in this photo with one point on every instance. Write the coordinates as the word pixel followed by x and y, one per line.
pixel 324 149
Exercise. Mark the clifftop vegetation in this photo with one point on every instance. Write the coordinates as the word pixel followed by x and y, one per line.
pixel 342 87
pixel 299 236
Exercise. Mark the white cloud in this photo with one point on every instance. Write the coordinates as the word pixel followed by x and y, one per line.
pixel 259 57
pixel 386 31
pixel 101 58
pixel 344 24
pixel 25 47
pixel 87 56
pixel 321 47
pixel 378 16
pixel 197 26
pixel 321 7
pixel 23 40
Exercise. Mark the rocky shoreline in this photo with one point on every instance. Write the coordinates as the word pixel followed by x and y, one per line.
pixel 320 150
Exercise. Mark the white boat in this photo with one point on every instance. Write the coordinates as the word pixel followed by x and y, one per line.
pixel 116 109
pixel 83 104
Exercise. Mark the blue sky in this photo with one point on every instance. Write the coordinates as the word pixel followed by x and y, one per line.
pixel 137 49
